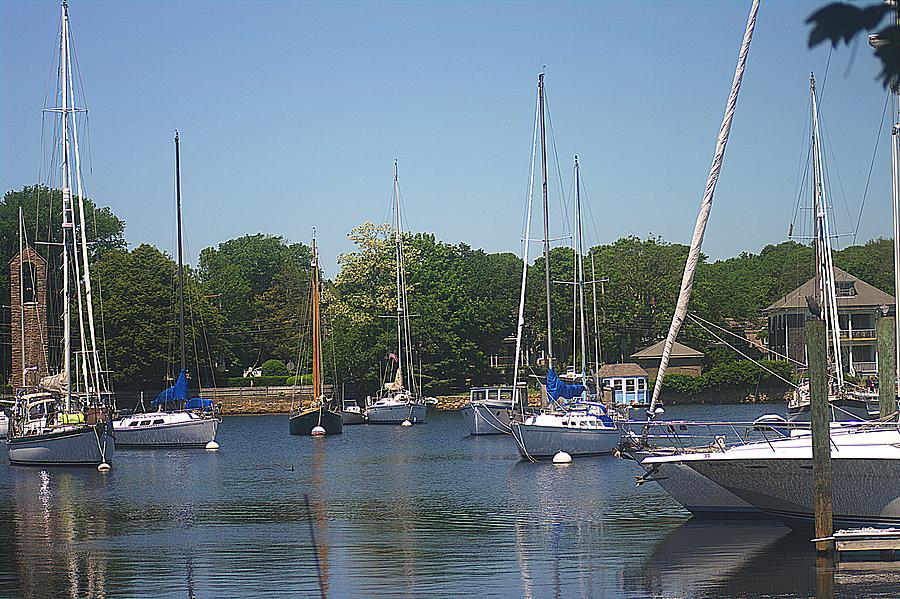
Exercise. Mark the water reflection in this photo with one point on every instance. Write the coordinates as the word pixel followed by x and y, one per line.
pixel 53 536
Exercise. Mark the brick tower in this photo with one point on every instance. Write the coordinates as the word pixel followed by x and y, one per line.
pixel 28 301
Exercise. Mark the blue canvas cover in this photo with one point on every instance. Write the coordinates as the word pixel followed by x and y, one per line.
pixel 177 392
pixel 556 388
pixel 197 403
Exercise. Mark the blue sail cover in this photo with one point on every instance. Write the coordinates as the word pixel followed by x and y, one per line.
pixel 177 392
pixel 556 388
pixel 197 403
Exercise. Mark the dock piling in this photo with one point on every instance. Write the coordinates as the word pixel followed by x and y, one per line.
pixel 887 365
pixel 820 423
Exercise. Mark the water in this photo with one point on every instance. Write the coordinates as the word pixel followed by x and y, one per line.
pixel 413 512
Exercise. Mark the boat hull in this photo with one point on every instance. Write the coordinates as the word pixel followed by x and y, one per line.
pixel 538 441
pixel 866 491
pixel 352 417
pixel 484 418
pixel 396 414
pixel 194 433
pixel 84 446
pixel 696 493
pixel 302 423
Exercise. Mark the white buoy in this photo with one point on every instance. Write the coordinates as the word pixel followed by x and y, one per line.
pixel 406 423
pixel 212 446
pixel 318 431
pixel 562 457
pixel 103 467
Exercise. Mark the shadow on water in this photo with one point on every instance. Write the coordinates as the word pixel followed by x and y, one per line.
pixel 395 512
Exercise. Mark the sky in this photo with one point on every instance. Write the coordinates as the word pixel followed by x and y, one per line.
pixel 291 114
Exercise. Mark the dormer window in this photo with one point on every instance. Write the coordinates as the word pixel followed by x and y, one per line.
pixel 844 288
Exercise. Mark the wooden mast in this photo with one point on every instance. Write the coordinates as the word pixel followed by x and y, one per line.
pixel 316 337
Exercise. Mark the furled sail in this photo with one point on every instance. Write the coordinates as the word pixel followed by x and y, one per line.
pixel 556 388
pixel 177 392
pixel 56 383
pixel 397 385
pixel 687 281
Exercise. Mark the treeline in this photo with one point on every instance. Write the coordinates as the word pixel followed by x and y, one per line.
pixel 248 300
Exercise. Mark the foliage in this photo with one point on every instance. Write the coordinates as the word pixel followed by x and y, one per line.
pixel 305 379
pixel 838 22
pixel 274 368
pixel 729 374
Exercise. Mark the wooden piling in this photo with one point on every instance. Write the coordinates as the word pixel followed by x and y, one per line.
pixel 887 365
pixel 820 422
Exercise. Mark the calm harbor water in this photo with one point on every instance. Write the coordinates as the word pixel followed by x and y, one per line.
pixel 394 512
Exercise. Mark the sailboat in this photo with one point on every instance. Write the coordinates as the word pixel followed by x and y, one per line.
pixel 178 420
pixel 399 401
pixel 65 420
pixel 322 417
pixel 582 426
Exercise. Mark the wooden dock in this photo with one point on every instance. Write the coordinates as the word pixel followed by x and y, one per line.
pixel 884 541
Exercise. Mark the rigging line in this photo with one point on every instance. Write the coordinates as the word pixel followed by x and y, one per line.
pixel 564 200
pixel 721 340
pixel 837 173
pixel 888 95
pixel 733 334
pixel 801 188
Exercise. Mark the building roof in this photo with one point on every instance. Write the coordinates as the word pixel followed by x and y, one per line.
pixel 679 350
pixel 615 370
pixel 866 296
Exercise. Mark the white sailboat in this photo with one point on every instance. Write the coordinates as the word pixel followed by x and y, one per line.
pixel 580 427
pixel 400 400
pixel 178 421
pixel 65 420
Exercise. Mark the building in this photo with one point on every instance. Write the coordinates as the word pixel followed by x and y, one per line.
pixel 683 359
pixel 859 306
pixel 28 318
pixel 628 382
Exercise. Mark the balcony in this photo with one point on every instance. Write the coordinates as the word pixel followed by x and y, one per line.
pixel 865 367
pixel 858 334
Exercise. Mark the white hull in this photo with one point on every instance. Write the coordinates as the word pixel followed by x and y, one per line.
pixel 79 446
pixel 395 413
pixel 537 441
pixel 776 476
pixel 177 429
pixel 4 424
pixel 866 492
pixel 487 418
pixel 696 493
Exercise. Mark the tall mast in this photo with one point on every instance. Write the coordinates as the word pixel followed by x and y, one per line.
pixel 546 221
pixel 67 225
pixel 895 189
pixel 397 250
pixel 316 338
pixel 520 323
pixel 579 265
pixel 180 255
pixel 22 292
pixel 824 261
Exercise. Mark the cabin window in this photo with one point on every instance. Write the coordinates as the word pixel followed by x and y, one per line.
pixel 506 394
pixel 478 394
pixel 160 421
pixel 132 423
pixel 29 284
pixel 145 422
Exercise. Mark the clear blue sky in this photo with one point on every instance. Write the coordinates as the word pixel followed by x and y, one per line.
pixel 292 112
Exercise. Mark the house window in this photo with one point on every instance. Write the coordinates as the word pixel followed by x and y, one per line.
pixel 29 284
pixel 844 288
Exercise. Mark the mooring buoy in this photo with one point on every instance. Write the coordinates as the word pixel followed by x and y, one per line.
pixel 103 467
pixel 317 431
pixel 406 423
pixel 212 446
pixel 562 457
